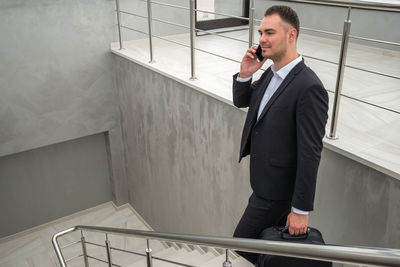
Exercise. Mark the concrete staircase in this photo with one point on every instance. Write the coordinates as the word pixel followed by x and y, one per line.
pixel 33 248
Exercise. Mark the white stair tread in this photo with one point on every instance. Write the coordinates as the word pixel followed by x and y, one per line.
pixel 215 262
pixel 191 258
pixel 170 254
pixel 161 254
pixel 241 262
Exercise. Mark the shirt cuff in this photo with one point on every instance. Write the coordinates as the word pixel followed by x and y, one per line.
pixel 240 79
pixel 301 212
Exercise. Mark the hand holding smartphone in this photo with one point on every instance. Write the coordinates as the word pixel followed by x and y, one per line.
pixel 259 53
pixel 250 64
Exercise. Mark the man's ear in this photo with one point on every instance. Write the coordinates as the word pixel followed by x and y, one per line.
pixel 292 34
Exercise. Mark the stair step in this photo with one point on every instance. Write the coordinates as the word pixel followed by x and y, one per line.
pixel 215 262
pixel 193 258
pixel 133 222
pixel 162 254
pixel 183 246
pixel 214 251
pixel 171 255
pixel 182 256
pixel 198 248
pixel 241 262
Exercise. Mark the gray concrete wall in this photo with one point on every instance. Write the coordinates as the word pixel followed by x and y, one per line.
pixel 44 184
pixel 182 148
pixel 356 205
pixel 55 71
pixel 57 85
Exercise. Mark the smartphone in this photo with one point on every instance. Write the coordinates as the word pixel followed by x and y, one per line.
pixel 259 53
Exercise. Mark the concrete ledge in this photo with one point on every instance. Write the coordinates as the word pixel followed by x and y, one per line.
pixel 352 144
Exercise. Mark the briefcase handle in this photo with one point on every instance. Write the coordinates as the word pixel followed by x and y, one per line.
pixel 287 236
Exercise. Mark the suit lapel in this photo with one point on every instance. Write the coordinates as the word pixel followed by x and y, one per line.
pixel 280 89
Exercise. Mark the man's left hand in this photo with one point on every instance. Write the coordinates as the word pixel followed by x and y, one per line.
pixel 297 223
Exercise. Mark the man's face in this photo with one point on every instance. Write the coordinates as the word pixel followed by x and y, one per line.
pixel 273 37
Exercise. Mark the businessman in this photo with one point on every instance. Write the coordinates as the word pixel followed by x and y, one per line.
pixel 283 130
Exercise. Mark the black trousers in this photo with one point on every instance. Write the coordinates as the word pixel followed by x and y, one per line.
pixel 258 215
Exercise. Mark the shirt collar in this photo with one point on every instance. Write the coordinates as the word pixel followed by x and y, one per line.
pixel 283 72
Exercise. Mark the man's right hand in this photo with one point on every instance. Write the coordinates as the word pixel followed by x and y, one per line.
pixel 250 64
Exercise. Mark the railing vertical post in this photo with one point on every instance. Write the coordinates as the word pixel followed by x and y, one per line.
pixel 108 248
pixel 339 79
pixel 192 41
pixel 149 20
pixel 84 251
pixel 251 23
pixel 227 262
pixel 149 258
pixel 119 24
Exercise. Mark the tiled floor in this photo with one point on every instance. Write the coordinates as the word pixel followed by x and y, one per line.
pixel 367 130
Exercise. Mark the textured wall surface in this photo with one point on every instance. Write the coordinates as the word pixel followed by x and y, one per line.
pixel 44 184
pixel 182 149
pixel 356 205
pixel 55 71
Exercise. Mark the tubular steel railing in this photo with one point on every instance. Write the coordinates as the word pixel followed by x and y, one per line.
pixel 352 4
pixel 331 253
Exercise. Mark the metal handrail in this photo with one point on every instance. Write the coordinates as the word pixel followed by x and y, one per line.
pixel 103 261
pixel 351 3
pixel 320 31
pixel 373 72
pixel 337 3
pixel 186 27
pixel 221 14
pixel 344 44
pixel 342 254
pixel 258 20
pixel 243 41
pixel 304 55
pixel 311 29
pixel 71 244
pixel 165 4
pixel 73 258
pixel 374 40
pixel 184 45
pixel 339 34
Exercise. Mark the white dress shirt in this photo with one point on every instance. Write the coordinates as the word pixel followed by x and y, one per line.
pixel 273 85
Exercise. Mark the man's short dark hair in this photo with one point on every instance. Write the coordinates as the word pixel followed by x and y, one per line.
pixel 287 14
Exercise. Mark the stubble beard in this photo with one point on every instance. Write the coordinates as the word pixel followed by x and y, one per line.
pixel 277 56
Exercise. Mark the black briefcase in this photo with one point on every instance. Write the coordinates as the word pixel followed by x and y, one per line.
pixel 313 236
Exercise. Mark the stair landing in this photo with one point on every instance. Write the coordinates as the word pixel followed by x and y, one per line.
pixel 33 248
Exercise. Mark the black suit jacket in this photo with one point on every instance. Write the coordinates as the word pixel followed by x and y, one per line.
pixel 285 143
